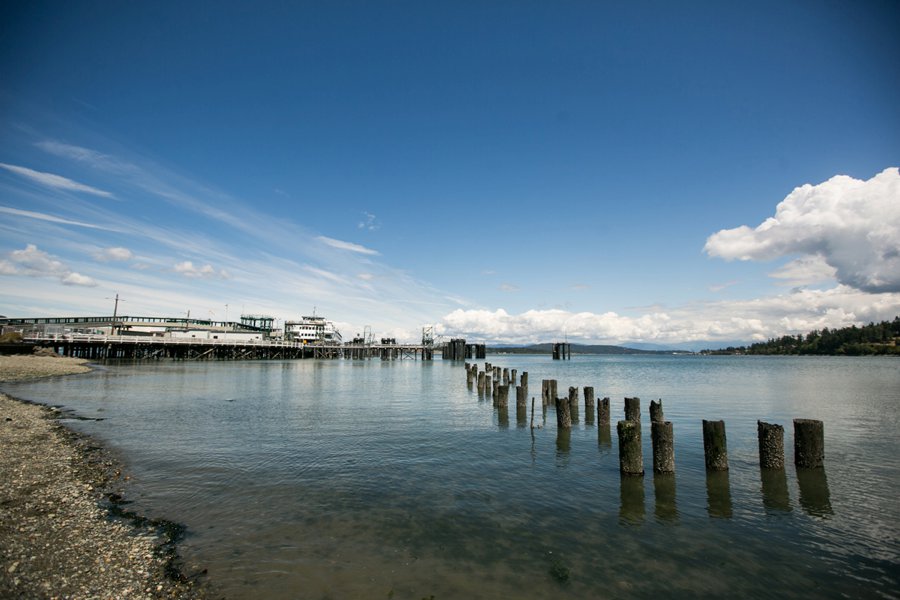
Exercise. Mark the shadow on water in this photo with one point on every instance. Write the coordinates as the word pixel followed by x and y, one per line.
pixel 631 499
pixel 664 489
pixel 815 498
pixel 718 494
pixel 775 490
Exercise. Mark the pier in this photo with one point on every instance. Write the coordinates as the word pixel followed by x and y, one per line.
pixel 130 347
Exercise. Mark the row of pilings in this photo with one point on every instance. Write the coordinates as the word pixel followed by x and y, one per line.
pixel 808 437
pixel 458 349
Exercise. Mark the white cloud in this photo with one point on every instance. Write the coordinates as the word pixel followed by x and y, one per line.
pixel 114 254
pixel 805 271
pixel 78 279
pixel 54 181
pixel 508 287
pixel 369 222
pixel 799 311
pixel 207 271
pixel 36 263
pixel 722 286
pixel 349 246
pixel 851 225
pixel 7 268
pixel 49 218
pixel 366 276
pixel 324 274
pixel 33 262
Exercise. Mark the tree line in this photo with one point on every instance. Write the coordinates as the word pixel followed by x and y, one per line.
pixel 871 339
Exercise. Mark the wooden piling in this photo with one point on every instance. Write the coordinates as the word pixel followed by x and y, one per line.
pixel 589 404
pixel 603 411
pixel 663 439
pixel 521 396
pixel 715 447
pixel 512 377
pixel 631 459
pixel 771 445
pixel 656 411
pixel 563 415
pixel 573 403
pixel 502 396
pixel 809 443
pixel 633 410
pixel 481 382
pixel 488 385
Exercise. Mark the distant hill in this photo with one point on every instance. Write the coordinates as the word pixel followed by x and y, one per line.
pixel 576 349
pixel 874 338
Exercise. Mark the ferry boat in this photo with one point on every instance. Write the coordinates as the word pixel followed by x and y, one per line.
pixel 312 330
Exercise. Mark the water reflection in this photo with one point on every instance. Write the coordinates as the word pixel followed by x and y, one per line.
pixel 521 416
pixel 631 499
pixel 604 437
pixel 503 417
pixel 563 441
pixel 815 498
pixel 718 494
pixel 664 490
pixel 775 490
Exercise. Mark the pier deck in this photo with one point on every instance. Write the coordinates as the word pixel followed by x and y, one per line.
pixel 102 347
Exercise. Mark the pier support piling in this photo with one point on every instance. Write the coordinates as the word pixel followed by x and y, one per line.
pixel 563 415
pixel 715 448
pixel 631 459
pixel 663 440
pixel 502 400
pixel 656 411
pixel 633 410
pixel 771 445
pixel 809 443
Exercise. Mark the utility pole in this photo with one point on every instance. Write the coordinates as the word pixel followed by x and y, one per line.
pixel 115 314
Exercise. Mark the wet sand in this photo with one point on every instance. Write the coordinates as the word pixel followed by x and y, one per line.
pixel 63 532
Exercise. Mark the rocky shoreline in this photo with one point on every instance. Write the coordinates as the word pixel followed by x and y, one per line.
pixel 63 530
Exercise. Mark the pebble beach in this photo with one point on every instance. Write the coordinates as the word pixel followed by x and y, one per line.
pixel 62 531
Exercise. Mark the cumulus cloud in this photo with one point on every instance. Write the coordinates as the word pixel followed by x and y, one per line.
pixel 34 262
pixel 207 271
pixel 798 311
pixel 847 224
pixel 349 246
pixel 78 279
pixel 114 254
pixel 54 181
pixel 805 271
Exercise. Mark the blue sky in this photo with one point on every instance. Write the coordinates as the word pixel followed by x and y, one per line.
pixel 506 171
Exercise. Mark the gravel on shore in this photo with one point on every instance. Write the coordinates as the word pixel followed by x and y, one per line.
pixel 63 533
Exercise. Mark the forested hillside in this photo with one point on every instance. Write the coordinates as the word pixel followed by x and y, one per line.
pixel 874 338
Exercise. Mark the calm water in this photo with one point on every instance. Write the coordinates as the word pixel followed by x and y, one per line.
pixel 342 479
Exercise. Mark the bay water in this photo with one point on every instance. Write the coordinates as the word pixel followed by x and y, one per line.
pixel 370 479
